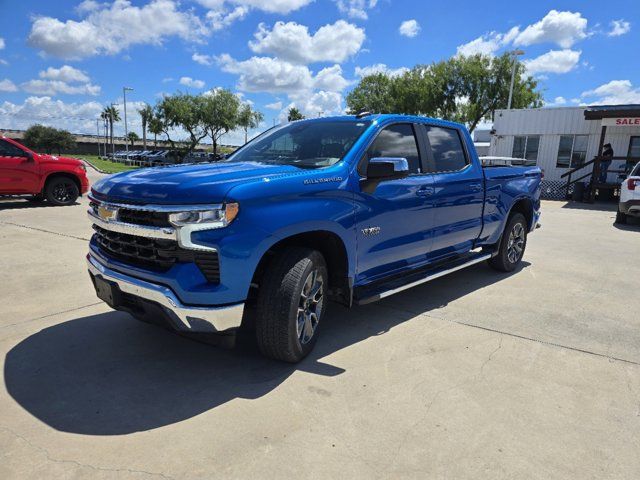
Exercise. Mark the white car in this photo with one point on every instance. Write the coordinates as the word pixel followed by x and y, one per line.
pixel 629 196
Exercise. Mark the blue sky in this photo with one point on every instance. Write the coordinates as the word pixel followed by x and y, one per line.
pixel 62 61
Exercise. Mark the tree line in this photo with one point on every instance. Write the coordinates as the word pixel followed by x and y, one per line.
pixel 463 89
pixel 209 115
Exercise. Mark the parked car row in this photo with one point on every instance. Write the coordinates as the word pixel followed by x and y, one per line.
pixel 155 157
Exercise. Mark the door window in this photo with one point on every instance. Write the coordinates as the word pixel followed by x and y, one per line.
pixel 397 141
pixel 9 150
pixel 447 150
pixel 526 146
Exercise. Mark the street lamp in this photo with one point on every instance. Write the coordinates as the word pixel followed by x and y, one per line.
pixel 126 133
pixel 514 54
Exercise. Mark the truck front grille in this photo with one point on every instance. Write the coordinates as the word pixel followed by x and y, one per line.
pixel 139 217
pixel 154 254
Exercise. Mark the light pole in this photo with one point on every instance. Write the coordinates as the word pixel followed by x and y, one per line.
pixel 515 54
pixel 126 133
pixel 98 134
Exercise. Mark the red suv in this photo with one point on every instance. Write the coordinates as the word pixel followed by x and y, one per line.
pixel 58 180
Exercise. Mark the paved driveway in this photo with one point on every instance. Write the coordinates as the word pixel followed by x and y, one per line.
pixel 476 375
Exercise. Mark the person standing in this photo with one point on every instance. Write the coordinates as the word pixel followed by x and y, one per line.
pixel 605 163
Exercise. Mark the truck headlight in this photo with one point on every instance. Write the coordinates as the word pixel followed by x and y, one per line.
pixel 212 218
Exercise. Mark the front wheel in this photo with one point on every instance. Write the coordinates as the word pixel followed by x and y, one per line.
pixel 61 191
pixel 291 302
pixel 512 244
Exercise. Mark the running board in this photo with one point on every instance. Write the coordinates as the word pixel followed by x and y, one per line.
pixel 373 294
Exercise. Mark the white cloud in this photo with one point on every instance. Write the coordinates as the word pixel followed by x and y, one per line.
pixel 274 106
pixel 322 103
pixel 292 42
pixel 88 6
pixel 330 79
pixel 7 85
pixel 380 68
pixel 615 92
pixel 488 44
pixel 554 61
pixel 191 82
pixel 619 27
pixel 271 6
pixel 219 19
pixel 65 73
pixel 111 28
pixel 75 117
pixel 409 28
pixel 203 59
pixel 54 87
pixel 557 102
pixel 266 74
pixel 355 8
pixel 1 43
pixel 561 28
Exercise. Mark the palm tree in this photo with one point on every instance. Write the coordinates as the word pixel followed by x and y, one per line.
pixel 155 127
pixel 113 115
pixel 294 114
pixel 146 114
pixel 132 137
pixel 249 118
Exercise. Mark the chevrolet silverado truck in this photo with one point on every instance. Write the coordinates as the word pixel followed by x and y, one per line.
pixel 58 180
pixel 350 209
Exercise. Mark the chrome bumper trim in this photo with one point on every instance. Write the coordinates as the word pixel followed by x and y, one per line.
pixel 164 233
pixel 189 319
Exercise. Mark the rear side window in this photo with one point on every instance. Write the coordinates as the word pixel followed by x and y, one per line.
pixel 397 141
pixel 446 146
pixel 636 171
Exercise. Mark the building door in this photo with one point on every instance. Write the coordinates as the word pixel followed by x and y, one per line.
pixel 634 147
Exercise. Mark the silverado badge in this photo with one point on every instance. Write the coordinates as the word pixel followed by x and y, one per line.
pixel 370 231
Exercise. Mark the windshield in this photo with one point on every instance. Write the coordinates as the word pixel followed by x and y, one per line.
pixel 303 144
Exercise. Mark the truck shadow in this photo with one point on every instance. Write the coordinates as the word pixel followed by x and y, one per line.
pixel 107 374
pixel 23 204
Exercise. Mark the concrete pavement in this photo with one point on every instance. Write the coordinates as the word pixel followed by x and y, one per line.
pixel 476 375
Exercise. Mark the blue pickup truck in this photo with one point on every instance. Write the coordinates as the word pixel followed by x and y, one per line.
pixel 349 209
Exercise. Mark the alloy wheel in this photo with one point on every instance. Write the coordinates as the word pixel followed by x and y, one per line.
pixel 310 306
pixel 516 243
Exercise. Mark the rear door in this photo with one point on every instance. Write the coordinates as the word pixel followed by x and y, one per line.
pixel 394 219
pixel 458 195
pixel 18 171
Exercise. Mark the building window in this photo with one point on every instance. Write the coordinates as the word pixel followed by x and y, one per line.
pixel 526 146
pixel 634 147
pixel 572 151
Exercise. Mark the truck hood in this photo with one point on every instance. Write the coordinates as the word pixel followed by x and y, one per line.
pixel 185 184
pixel 44 158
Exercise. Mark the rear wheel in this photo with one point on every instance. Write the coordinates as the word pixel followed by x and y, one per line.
pixel 512 244
pixel 61 191
pixel 621 217
pixel 291 302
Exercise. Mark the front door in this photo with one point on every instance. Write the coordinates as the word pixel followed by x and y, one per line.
pixel 18 171
pixel 458 196
pixel 394 220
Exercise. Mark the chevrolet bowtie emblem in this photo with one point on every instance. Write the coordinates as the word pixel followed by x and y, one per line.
pixel 107 214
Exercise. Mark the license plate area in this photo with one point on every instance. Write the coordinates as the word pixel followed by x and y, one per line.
pixel 107 291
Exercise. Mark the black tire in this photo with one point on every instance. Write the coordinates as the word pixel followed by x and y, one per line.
pixel 61 191
pixel 512 244
pixel 281 301
pixel 621 218
pixel 39 198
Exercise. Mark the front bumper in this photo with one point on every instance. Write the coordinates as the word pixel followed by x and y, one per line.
pixel 630 207
pixel 159 304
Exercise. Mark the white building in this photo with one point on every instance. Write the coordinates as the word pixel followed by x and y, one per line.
pixel 560 139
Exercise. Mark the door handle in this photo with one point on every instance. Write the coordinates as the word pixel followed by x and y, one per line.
pixel 425 191
pixel 475 187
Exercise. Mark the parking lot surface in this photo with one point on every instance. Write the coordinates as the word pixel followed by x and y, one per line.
pixel 534 374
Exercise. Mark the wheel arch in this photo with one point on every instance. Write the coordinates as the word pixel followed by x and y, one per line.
pixel 524 206
pixel 333 249
pixel 53 175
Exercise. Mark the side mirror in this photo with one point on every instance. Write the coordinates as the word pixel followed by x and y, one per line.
pixel 387 168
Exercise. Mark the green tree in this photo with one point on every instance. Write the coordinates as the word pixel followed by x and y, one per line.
pixel 186 112
pixel 146 114
pixel 155 127
pixel 48 139
pixel 112 114
pixel 132 137
pixel 221 114
pixel 249 118
pixel 463 89
pixel 294 114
